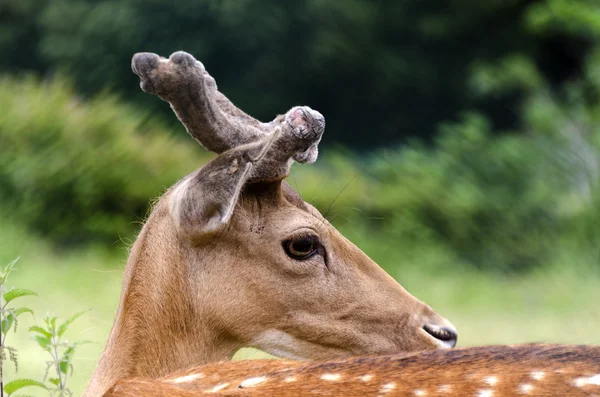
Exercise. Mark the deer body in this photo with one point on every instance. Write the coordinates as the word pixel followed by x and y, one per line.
pixel 232 257
pixel 490 371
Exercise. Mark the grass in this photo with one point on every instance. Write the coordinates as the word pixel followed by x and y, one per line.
pixel 556 305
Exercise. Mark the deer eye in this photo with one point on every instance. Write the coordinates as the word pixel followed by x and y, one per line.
pixel 301 247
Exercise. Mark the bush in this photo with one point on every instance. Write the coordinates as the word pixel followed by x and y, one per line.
pixel 78 171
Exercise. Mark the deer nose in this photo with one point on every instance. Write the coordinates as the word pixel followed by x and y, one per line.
pixel 446 335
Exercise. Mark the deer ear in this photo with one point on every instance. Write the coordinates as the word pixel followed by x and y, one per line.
pixel 203 203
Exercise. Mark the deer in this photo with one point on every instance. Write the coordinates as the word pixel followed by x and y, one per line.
pixel 232 257
pixel 484 371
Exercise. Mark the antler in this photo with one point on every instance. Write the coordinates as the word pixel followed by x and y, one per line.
pixel 205 201
pixel 209 117
pixel 249 151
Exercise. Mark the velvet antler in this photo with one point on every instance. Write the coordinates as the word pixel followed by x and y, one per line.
pixel 206 113
pixel 249 151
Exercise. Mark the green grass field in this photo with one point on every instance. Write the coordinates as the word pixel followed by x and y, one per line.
pixel 551 306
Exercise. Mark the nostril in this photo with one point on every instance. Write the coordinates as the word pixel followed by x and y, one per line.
pixel 445 334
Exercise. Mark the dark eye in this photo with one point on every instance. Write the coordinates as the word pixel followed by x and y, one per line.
pixel 301 247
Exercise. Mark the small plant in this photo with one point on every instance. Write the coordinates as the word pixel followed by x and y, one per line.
pixel 61 352
pixel 10 320
pixel 49 338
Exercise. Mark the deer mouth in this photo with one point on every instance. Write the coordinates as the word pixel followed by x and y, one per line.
pixel 445 336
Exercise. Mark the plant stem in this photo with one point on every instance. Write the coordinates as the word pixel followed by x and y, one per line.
pixel 57 361
pixel 1 342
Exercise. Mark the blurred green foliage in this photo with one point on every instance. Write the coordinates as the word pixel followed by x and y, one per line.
pixel 79 171
pixel 507 94
pixel 385 69
pixel 506 202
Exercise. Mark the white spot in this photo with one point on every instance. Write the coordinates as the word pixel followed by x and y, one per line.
pixel 525 388
pixel 491 380
pixel 388 387
pixel 331 377
pixel 585 381
pixel 290 379
pixel 485 393
pixel 444 389
pixel 366 378
pixel 187 378
pixel 217 388
pixel 538 375
pixel 420 392
pixel 253 381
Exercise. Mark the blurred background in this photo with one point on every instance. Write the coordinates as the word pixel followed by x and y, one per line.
pixel 462 149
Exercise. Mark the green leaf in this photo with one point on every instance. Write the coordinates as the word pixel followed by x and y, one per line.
pixel 52 324
pixel 64 366
pixel 69 352
pixel 7 323
pixel 63 327
pixel 43 342
pixel 22 310
pixel 54 381
pixel 18 384
pixel 17 293
pixel 41 331
pixel 6 271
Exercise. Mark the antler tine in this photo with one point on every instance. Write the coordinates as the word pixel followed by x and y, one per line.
pixel 298 134
pixel 207 114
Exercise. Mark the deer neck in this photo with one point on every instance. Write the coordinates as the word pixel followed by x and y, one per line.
pixel 158 328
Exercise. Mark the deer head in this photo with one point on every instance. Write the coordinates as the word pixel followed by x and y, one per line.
pixel 232 257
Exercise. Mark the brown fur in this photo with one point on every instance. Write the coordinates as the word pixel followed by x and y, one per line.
pixel 498 371
pixel 208 273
